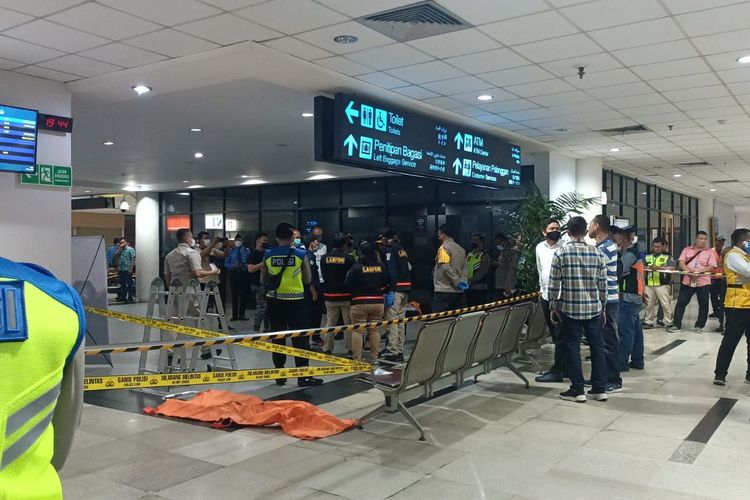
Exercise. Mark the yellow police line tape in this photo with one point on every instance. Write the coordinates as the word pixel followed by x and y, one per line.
pixel 255 340
pixel 339 365
pixel 146 381
pixel 684 273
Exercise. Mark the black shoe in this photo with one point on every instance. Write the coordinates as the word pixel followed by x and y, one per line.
pixel 233 318
pixel 549 377
pixel 242 318
pixel 719 329
pixel 713 315
pixel 394 358
pixel 719 381
pixel 571 395
pixel 636 367
pixel 660 323
pixel 646 326
pixel 280 381
pixel 309 382
pixel 206 355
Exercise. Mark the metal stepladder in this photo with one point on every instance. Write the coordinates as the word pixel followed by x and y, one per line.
pixel 199 317
pixel 164 305
pixel 186 305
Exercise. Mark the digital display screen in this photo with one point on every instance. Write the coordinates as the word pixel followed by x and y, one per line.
pixel 369 134
pixel 55 123
pixel 18 136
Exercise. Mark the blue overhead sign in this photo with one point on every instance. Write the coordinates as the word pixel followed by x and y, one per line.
pixel 364 133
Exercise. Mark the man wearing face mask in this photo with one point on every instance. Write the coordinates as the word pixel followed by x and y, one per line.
pixel 545 251
pixel 736 304
pixel 297 239
pixel 236 263
pixel 254 265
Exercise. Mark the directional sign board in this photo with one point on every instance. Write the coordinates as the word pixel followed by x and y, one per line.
pixel 369 134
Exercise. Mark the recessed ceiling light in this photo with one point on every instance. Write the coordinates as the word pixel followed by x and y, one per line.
pixel 453 192
pixel 252 182
pixel 614 150
pixel 108 143
pixel 185 182
pixel 198 155
pixel 644 192
pixel 195 186
pixel 320 177
pixel 316 171
pixel 484 97
pixel 420 187
pixel 713 190
pixel 141 89
pixel 744 59
pixel 87 191
pixel 131 187
pixel 306 115
pixel 345 39
pixel 676 175
pixel 184 194
pixel 196 129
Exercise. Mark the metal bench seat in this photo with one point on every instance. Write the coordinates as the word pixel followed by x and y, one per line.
pixel 536 336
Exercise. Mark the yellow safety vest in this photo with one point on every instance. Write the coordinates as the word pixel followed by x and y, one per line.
pixel 41 327
pixel 738 294
pixel 653 278
pixel 291 286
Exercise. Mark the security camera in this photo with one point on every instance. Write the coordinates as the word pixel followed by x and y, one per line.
pixel 124 206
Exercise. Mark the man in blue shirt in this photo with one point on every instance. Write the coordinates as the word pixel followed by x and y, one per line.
pixel 111 252
pixel 599 230
pixel 239 278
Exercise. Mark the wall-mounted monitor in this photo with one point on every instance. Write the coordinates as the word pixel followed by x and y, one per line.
pixel 18 138
pixel 362 132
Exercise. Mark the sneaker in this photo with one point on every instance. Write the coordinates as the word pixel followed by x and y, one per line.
pixel 571 395
pixel 613 388
pixel 720 381
pixel 646 326
pixel 309 382
pixel 394 358
pixel 587 383
pixel 674 329
pixel 660 323
pixel 598 396
pixel 549 377
pixel 698 330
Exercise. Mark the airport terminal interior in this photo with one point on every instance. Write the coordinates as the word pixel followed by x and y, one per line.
pixel 370 249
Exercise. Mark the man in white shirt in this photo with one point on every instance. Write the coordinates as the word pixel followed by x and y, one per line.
pixel 545 251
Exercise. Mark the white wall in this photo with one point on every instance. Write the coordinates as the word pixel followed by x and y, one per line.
pixel 35 220
pixel 555 174
pixel 743 220
pixel 727 218
pixel 589 183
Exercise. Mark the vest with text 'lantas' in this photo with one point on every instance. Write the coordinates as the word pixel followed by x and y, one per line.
pixel 42 324
pixel 738 293
pixel 655 278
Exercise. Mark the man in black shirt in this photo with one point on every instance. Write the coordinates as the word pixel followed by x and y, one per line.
pixel 255 263
pixel 333 267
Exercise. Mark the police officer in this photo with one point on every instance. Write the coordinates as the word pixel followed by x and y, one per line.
pixel 41 379
pixel 285 274
pixel 477 269
pixel 334 266
pixel 736 303
pixel 397 266
pixel 368 282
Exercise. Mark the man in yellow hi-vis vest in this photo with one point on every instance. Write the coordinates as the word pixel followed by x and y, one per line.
pixel 42 325
pixel 658 285
pixel 736 304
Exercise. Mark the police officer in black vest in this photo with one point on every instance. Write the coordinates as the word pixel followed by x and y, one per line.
pixel 398 268
pixel 334 267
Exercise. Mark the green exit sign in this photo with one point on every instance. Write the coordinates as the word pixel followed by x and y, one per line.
pixel 50 175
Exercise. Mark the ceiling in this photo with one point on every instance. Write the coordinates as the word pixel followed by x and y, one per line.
pixel 667 64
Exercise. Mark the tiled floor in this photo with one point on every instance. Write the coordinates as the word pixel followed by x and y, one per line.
pixel 490 440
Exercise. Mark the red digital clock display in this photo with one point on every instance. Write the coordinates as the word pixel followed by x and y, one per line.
pixel 56 123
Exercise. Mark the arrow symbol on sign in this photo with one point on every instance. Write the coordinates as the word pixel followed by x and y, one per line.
pixel 457 166
pixel 351 113
pixel 459 140
pixel 351 144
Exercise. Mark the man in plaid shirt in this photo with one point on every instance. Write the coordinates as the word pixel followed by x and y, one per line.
pixel 578 295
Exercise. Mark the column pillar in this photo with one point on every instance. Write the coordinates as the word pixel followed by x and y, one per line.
pixel 554 173
pixel 147 242
pixel 589 183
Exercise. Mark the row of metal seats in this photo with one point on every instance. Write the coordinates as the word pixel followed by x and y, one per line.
pixel 451 351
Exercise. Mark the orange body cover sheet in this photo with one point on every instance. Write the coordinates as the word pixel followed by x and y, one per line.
pixel 224 408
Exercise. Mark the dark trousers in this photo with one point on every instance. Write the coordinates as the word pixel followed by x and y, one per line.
pixel 447 301
pixel 239 281
pixel 718 292
pixel 127 290
pixel 573 329
pixel 476 297
pixel 686 294
pixel 261 309
pixel 630 331
pixel 557 337
pixel 612 343
pixel 738 324
pixel 288 315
